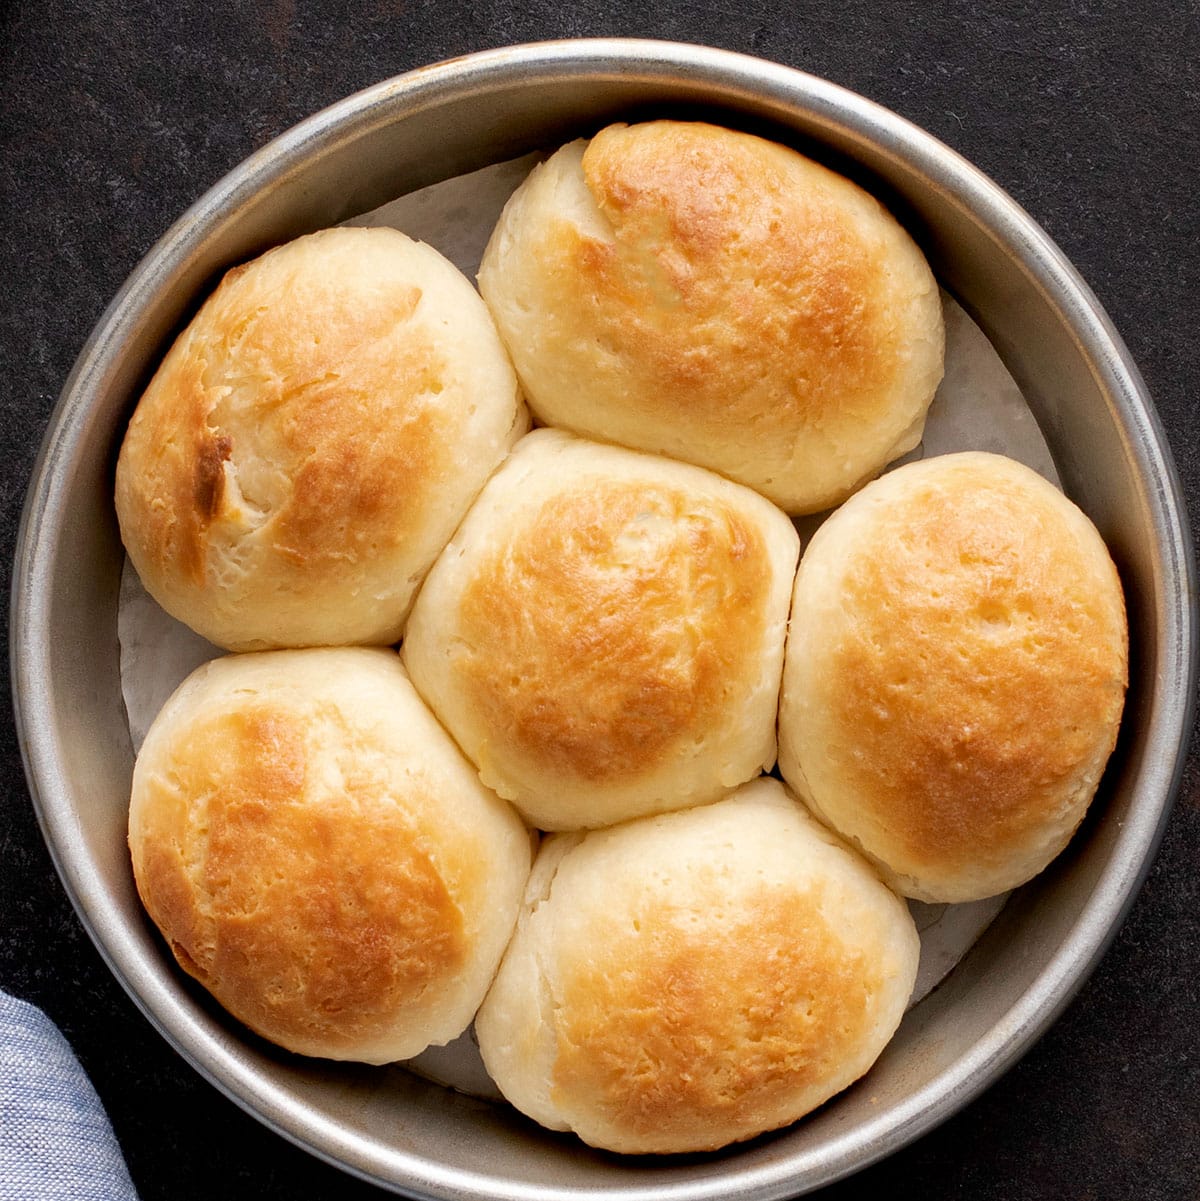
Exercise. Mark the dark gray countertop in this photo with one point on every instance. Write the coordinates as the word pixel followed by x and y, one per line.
pixel 114 117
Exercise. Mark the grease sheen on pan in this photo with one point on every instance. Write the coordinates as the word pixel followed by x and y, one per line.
pixel 311 440
pixel 318 854
pixel 955 674
pixel 604 634
pixel 688 980
pixel 687 289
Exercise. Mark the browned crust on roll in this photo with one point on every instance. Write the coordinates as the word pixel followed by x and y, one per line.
pixel 311 441
pixel 706 294
pixel 957 674
pixel 679 1023
pixel 617 622
pixel 681 982
pixel 314 922
pixel 773 283
pixel 272 415
pixel 1016 683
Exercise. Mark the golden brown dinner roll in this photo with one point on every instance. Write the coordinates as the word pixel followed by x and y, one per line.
pixel 604 634
pixel 955 674
pixel 318 854
pixel 690 979
pixel 682 288
pixel 311 441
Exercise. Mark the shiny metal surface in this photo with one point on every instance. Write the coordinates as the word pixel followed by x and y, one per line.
pixel 392 1128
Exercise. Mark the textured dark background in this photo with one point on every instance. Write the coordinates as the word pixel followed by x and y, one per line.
pixel 115 117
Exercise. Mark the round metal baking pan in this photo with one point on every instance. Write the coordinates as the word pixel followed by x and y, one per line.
pixel 384 1124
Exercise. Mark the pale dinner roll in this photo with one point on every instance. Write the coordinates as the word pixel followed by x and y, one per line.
pixel 604 634
pixel 691 290
pixel 692 979
pixel 955 674
pixel 312 439
pixel 318 854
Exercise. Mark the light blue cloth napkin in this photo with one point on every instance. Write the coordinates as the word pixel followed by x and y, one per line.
pixel 56 1143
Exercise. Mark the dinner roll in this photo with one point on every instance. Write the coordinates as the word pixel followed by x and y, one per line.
pixel 691 979
pixel 955 674
pixel 318 854
pixel 604 634
pixel 312 439
pixel 691 290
